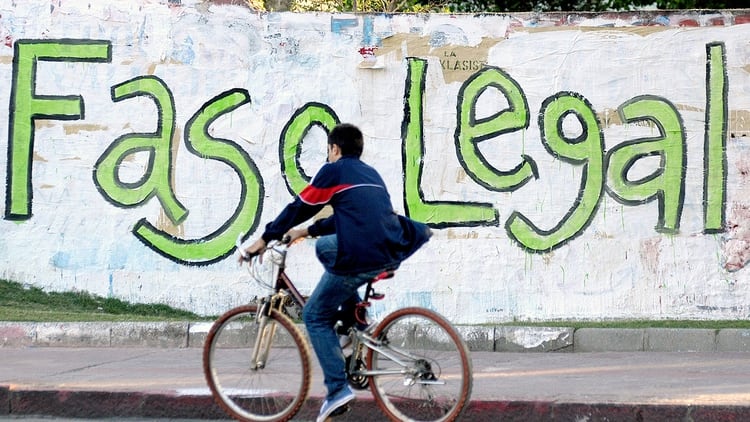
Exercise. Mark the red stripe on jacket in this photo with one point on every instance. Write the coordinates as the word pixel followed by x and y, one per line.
pixel 312 195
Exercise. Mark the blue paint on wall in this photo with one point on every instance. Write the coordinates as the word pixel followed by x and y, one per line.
pixel 75 260
pixel 367 31
pixel 61 260
pixel 184 53
pixel 420 299
pixel 118 257
pixel 338 25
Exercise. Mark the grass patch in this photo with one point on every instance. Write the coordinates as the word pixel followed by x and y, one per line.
pixel 23 303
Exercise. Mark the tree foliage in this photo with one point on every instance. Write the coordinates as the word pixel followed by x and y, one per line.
pixel 488 6
pixel 585 5
pixel 386 6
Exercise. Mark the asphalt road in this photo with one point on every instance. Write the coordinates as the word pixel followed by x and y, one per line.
pixel 168 384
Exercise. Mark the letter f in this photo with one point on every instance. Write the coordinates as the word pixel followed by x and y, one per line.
pixel 26 107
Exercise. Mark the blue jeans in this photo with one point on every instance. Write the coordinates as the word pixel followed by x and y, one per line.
pixel 322 311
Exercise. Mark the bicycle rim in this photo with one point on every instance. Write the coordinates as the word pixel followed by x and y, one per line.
pixel 435 384
pixel 274 391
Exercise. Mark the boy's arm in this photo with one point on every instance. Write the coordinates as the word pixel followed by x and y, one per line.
pixel 292 215
pixel 322 227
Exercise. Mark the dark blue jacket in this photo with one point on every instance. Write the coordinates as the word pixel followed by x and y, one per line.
pixel 371 236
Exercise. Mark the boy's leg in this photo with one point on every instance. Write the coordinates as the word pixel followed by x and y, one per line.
pixel 322 310
pixel 346 314
pixel 326 249
pixel 319 315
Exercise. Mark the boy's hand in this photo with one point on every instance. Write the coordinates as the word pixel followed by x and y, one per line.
pixel 295 234
pixel 257 247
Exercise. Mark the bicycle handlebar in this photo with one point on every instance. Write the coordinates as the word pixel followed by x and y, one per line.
pixel 249 256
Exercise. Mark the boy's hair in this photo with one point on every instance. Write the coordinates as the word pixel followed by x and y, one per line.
pixel 348 137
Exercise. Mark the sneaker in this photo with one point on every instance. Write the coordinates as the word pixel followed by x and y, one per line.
pixel 339 400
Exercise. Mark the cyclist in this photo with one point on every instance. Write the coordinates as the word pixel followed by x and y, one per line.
pixel 363 237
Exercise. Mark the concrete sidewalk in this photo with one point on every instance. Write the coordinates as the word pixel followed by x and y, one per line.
pixel 167 382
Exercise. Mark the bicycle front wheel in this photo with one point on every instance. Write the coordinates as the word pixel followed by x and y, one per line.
pixel 422 371
pixel 268 382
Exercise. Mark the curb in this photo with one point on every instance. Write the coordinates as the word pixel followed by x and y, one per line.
pixel 94 334
pixel 4 400
pixel 98 404
pixel 107 404
pixel 478 338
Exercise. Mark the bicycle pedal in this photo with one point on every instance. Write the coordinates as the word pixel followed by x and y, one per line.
pixel 340 411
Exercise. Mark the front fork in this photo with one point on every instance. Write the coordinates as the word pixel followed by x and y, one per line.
pixel 266 330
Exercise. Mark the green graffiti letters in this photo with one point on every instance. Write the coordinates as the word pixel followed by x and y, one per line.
pixel 714 154
pixel 290 144
pixel 158 178
pixel 667 182
pixel 27 107
pixel 220 243
pixel 586 150
pixel 437 214
pixel 622 172
pixel 470 131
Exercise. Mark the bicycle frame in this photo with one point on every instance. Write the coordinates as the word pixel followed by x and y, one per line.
pixel 283 282
pixel 284 288
pixel 258 362
pixel 398 356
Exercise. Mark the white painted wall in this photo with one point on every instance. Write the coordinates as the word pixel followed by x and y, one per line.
pixel 618 266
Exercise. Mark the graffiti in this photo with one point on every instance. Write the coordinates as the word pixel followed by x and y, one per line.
pixel 26 107
pixel 601 170
pixel 290 144
pixel 439 214
pixel 585 150
pixel 714 158
pixel 157 179
pixel 221 243
pixel 666 184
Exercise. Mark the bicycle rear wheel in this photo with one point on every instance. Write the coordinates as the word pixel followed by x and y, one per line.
pixel 272 389
pixel 435 380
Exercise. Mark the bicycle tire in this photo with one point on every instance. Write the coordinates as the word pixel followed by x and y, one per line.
pixel 274 392
pixel 438 381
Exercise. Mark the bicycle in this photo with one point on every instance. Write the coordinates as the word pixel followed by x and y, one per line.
pixel 258 366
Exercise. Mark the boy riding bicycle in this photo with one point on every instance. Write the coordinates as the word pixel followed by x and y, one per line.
pixel 363 237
